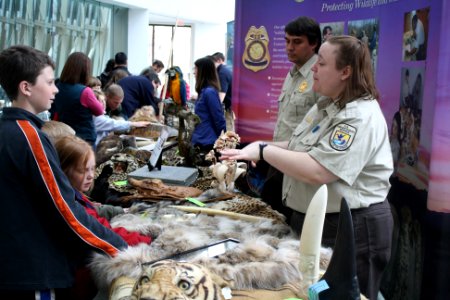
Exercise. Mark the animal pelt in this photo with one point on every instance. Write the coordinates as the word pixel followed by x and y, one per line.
pixel 267 256
pixel 112 144
pixel 170 279
pixel 145 113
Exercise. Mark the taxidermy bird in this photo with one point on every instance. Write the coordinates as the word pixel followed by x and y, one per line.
pixel 176 88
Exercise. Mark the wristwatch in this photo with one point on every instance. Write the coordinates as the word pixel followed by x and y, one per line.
pixel 261 150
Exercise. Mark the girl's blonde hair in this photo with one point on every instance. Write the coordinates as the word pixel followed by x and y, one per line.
pixel 56 130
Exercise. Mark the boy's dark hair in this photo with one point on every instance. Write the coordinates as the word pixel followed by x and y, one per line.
pixel 308 27
pixel 19 63
pixel 158 63
pixel 120 58
pixel 218 55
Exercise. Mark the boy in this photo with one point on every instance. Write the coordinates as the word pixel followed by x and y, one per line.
pixel 44 233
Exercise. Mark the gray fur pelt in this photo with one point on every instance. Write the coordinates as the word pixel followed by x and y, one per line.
pixel 267 256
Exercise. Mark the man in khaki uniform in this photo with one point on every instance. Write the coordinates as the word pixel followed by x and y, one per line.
pixel 303 40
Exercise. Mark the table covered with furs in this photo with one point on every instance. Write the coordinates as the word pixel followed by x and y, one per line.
pixel 264 264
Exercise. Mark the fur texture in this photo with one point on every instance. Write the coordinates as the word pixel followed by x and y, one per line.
pixel 267 256
pixel 169 279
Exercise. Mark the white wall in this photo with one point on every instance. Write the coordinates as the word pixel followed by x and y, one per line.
pixel 138 40
pixel 206 39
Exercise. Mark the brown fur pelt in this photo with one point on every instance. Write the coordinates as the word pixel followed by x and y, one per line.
pixel 267 256
pixel 145 113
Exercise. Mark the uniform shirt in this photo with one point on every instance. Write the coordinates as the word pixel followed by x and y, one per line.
pixel 353 144
pixel 295 100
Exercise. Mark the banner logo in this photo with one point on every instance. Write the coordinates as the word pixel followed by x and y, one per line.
pixel 256 55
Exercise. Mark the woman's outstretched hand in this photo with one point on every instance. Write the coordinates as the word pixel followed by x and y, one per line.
pixel 250 152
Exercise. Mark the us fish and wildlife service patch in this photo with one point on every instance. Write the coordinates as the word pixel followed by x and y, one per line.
pixel 342 137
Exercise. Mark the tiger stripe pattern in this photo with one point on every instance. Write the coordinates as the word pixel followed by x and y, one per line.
pixel 170 279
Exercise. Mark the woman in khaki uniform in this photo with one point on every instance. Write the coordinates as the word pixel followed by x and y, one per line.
pixel 342 142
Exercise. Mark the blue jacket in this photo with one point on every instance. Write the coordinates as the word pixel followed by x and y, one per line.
pixel 69 109
pixel 137 92
pixel 212 121
pixel 44 232
pixel 226 78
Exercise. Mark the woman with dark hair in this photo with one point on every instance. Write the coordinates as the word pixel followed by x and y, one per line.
pixel 76 104
pixel 208 106
pixel 342 142
pixel 106 74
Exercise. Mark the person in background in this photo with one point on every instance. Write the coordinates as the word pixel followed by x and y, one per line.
pixel 54 130
pixel 121 63
pixel 95 84
pixel 343 142
pixel 44 233
pixel 114 98
pixel 208 105
pixel 225 93
pixel 154 78
pixel 106 74
pixel 157 66
pixel 138 91
pixel 105 125
pixel 76 104
pixel 116 76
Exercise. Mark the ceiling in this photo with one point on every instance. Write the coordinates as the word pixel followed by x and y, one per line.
pixel 186 11
pixel 193 11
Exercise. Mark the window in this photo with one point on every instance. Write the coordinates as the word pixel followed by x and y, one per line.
pixel 161 44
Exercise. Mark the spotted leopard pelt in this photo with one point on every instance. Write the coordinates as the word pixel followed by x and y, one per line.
pixel 244 204
pixel 122 164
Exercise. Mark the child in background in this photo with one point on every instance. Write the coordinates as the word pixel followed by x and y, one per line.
pixel 56 130
pixel 94 83
pixel 78 163
pixel 104 124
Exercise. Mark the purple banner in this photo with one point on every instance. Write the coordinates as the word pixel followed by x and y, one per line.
pixel 410 64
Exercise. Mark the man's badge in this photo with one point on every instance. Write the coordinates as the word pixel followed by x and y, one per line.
pixel 256 55
pixel 303 86
pixel 342 137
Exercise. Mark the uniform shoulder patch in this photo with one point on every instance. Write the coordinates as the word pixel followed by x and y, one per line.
pixel 342 137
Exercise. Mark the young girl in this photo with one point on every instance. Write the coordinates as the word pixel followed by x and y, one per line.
pixel 78 163
pixel 104 124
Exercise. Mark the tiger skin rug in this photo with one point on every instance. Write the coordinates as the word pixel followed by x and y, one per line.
pixel 267 256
